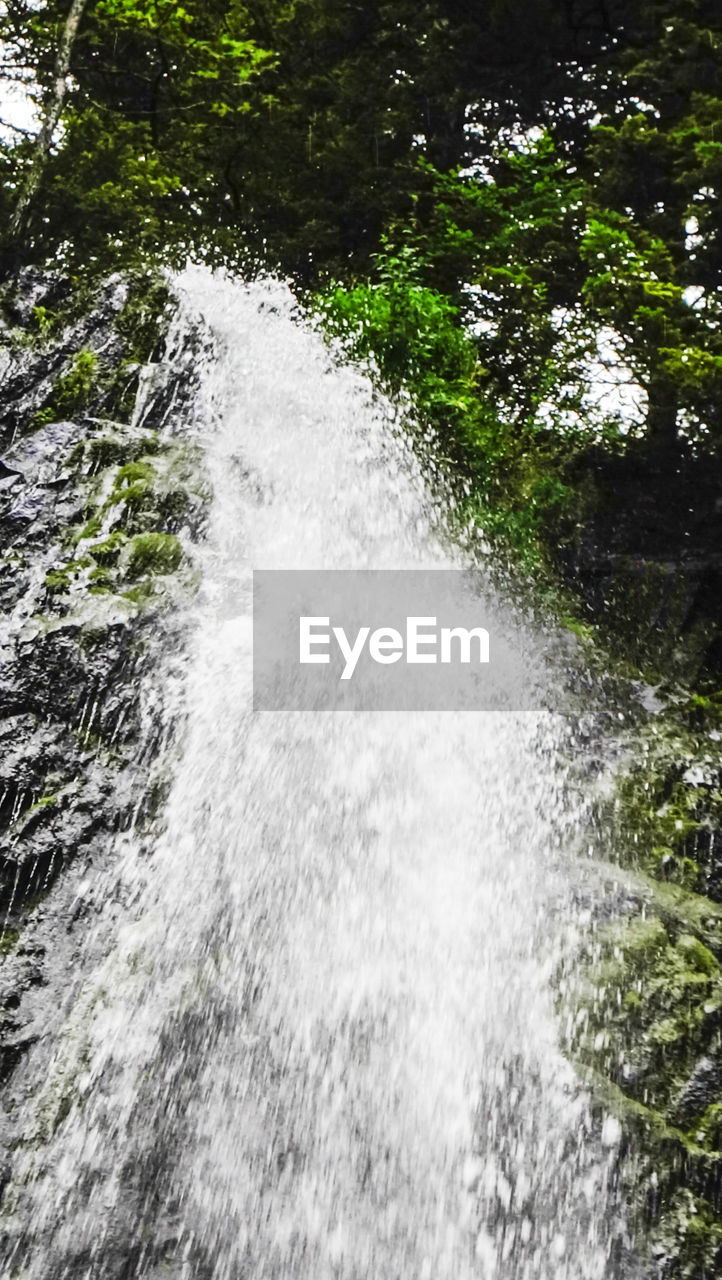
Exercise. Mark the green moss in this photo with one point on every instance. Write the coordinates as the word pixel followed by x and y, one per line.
pixel 691 1236
pixel 58 580
pixel 43 320
pixel 668 805
pixel 645 1007
pixel 134 488
pixel 637 943
pixel 8 940
pixel 708 1129
pixel 45 802
pixel 141 593
pixel 137 497
pixel 697 956
pixel 43 417
pixel 107 450
pixel 154 553
pixel 141 325
pixel 143 320
pixel 140 493
pixel 106 553
pixel 88 530
pixel 133 472
pixel 582 630
pixel 73 390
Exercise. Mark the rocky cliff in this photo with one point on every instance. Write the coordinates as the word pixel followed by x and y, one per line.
pixel 101 498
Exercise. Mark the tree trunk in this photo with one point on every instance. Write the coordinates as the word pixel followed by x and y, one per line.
pixel 662 414
pixel 51 117
pixel 447 142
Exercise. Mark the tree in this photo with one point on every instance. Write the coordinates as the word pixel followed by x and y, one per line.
pixel 51 116
pixel 547 186
pixel 146 115
pixel 655 211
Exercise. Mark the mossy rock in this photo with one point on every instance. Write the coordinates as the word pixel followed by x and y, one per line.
pixel 72 391
pixel 137 498
pixel 58 580
pixel 107 450
pixel 644 1015
pixel 667 811
pixel 697 956
pixel 90 529
pixel 689 1241
pixel 152 553
pixel 100 580
pixel 708 1129
pixel 133 473
pixel 45 802
pixel 9 938
pixel 143 321
pixel 651 1006
pixel 106 553
pixel 132 505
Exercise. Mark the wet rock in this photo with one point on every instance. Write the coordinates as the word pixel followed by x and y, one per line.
pixel 33 506
pixel 702 1089
pixel 80 721
pixel 60 827
pixel 40 458
pixel 34 365
pixel 29 508
pixel 32 288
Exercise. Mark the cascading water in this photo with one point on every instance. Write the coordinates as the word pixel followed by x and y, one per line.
pixel 320 1043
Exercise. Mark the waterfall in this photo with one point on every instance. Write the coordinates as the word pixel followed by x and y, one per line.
pixel 319 1041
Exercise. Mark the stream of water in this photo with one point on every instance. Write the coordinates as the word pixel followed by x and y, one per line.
pixel 321 1045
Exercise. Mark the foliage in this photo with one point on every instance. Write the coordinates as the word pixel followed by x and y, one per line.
pixel 545 192
pixel 411 333
pixel 157 89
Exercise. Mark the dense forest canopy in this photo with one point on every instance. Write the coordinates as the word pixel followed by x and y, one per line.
pixel 516 202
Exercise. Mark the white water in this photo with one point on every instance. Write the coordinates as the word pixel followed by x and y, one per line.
pixel 321 1045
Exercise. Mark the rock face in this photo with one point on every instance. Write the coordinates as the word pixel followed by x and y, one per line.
pixel 701 1091
pixel 101 496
